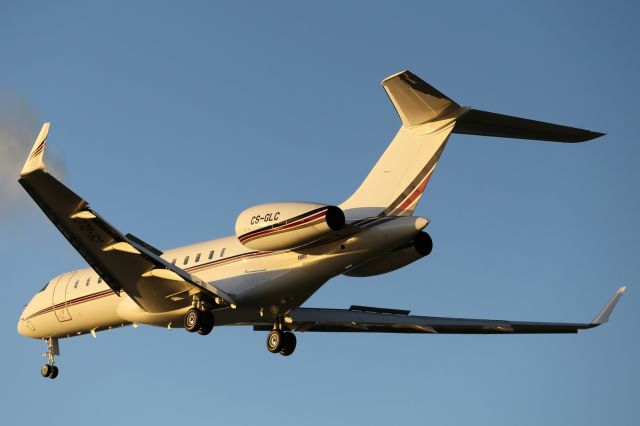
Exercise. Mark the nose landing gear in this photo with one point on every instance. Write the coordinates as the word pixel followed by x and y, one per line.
pixel 50 370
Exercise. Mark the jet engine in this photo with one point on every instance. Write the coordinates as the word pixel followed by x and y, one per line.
pixel 416 249
pixel 280 226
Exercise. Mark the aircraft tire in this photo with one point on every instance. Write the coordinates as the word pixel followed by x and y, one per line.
pixel 288 344
pixel 192 320
pixel 275 340
pixel 207 323
pixel 45 371
pixel 54 372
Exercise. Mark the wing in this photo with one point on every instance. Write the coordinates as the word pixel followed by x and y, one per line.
pixel 368 319
pixel 123 261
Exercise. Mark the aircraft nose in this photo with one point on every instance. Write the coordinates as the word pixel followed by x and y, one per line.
pixel 22 327
pixel 25 327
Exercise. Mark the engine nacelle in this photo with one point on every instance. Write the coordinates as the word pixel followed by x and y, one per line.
pixel 280 226
pixel 418 248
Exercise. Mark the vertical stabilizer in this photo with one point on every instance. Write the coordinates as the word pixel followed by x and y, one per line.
pixel 416 101
pixel 396 183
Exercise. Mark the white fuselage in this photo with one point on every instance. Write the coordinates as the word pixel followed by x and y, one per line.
pixel 265 284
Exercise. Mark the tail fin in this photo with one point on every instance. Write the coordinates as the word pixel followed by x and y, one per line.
pixel 396 183
pixel 416 101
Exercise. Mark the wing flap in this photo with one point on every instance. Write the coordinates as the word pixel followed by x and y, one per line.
pixel 342 320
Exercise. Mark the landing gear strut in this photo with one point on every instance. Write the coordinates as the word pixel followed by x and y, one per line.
pixel 50 370
pixel 283 342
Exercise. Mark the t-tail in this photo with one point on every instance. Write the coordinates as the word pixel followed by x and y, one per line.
pixel 397 181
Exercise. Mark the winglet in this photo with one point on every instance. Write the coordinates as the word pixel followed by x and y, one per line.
pixel 603 316
pixel 35 159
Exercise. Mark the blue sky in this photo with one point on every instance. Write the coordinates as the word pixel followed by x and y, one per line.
pixel 171 118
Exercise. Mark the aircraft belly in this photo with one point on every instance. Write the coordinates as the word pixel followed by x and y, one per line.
pixel 265 288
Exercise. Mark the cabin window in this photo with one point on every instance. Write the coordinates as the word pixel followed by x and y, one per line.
pixel 99 280
pixel 222 252
pixel 173 262
pixel 197 259
pixel 186 260
pixel 76 284
pixel 88 280
pixel 211 254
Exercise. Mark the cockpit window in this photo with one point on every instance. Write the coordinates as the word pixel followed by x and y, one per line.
pixel 45 286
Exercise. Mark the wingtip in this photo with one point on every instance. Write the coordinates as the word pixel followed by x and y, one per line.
pixel 605 313
pixel 35 159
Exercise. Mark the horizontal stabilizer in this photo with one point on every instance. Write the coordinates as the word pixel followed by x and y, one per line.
pixel 483 123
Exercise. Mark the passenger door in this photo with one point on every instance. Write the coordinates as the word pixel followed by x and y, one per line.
pixel 60 297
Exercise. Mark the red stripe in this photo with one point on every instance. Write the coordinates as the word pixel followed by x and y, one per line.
pixel 283 227
pixel 228 260
pixel 71 302
pixel 37 150
pixel 414 195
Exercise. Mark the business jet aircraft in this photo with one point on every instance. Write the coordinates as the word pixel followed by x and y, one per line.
pixel 280 254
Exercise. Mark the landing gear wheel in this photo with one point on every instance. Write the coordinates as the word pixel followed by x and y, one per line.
pixel 46 370
pixel 207 323
pixel 54 372
pixel 192 320
pixel 275 340
pixel 288 344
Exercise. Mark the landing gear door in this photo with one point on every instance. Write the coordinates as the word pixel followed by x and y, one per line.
pixel 60 297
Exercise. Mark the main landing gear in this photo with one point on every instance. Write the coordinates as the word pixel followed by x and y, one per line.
pixel 283 342
pixel 50 370
pixel 198 320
